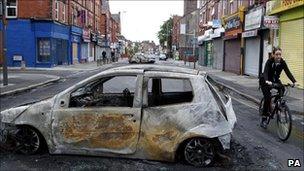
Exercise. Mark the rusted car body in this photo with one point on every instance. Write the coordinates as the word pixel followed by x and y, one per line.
pixel 137 130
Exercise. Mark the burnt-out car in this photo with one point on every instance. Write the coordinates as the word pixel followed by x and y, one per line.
pixel 138 111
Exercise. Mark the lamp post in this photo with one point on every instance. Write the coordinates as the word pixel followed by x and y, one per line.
pixel 5 79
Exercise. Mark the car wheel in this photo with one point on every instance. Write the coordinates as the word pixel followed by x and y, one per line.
pixel 199 152
pixel 28 140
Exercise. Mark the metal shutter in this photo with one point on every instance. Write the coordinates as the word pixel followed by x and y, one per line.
pixel 232 56
pixel 252 56
pixel 292 48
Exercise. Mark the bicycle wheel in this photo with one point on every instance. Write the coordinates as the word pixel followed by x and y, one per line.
pixel 284 122
pixel 261 107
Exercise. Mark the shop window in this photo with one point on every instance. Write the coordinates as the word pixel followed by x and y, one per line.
pixel 169 91
pixel 44 50
pixel 11 9
pixel 108 91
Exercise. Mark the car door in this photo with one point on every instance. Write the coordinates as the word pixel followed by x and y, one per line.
pixel 111 126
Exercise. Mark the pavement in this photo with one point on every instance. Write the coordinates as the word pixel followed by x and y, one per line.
pixel 21 80
pixel 247 86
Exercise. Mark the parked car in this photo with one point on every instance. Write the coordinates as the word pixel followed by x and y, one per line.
pixel 139 58
pixel 137 111
pixel 162 57
pixel 151 58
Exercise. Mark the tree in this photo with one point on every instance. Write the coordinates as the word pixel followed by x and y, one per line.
pixel 164 34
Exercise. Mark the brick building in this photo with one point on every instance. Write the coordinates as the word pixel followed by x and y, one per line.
pixel 54 32
pixel 175 32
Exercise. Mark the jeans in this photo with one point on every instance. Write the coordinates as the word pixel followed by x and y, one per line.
pixel 267 96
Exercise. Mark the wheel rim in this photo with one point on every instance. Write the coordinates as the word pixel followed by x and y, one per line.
pixel 261 107
pixel 199 152
pixel 28 141
pixel 284 124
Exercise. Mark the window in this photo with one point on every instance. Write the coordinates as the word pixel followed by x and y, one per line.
pixel 240 3
pixel 168 91
pixel 63 13
pixel 231 7
pixel 108 91
pixel 11 9
pixel 44 50
pixel 251 2
pixel 225 7
pixel 56 10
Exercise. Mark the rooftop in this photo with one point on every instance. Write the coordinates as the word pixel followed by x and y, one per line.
pixel 156 67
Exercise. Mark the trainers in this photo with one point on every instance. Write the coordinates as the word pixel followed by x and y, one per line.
pixel 264 122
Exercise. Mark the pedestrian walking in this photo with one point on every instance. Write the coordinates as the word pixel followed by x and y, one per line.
pixel 104 57
pixel 113 56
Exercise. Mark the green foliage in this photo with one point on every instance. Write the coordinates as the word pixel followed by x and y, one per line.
pixel 164 34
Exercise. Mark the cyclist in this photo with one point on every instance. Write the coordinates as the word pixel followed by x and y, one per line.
pixel 272 72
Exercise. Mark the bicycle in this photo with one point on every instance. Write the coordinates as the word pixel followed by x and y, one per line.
pixel 279 108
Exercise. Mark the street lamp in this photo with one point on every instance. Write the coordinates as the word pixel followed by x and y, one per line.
pixel 5 79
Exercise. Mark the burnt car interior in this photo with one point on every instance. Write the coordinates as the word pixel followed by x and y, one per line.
pixel 108 91
pixel 167 91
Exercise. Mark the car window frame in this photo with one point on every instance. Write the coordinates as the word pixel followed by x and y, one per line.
pixel 137 76
pixel 146 90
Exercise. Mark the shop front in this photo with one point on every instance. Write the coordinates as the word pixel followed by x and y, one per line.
pixel 93 47
pixel 85 46
pixel 205 48
pixel 98 49
pixel 253 55
pixel 218 44
pixel 208 53
pixel 76 34
pixel 232 42
pixel 37 44
pixel 291 38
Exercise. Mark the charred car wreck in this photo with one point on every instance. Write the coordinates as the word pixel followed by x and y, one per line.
pixel 139 111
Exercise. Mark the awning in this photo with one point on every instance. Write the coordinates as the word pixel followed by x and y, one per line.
pixel 205 37
pixel 217 32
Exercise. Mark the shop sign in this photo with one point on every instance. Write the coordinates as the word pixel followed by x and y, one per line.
pixel 216 23
pixel 75 38
pixel 93 37
pixel 99 41
pixel 86 35
pixel 233 26
pixel 253 19
pixel 251 33
pixel 271 22
pixel 233 23
pixel 17 58
pixel 284 5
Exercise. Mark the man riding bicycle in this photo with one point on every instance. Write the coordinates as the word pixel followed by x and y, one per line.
pixel 271 75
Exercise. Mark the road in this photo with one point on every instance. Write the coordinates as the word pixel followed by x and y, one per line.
pixel 252 147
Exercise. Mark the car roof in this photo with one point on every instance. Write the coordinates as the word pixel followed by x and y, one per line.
pixel 161 68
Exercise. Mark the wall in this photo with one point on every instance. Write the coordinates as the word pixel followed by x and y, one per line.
pixel 21 43
pixel 38 9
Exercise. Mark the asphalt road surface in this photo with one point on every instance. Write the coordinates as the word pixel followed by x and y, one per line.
pixel 252 147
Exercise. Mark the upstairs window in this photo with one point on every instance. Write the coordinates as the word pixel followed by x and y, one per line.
pixel 11 9
pixel 56 10
pixel 63 13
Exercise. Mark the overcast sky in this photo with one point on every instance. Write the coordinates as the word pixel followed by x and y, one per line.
pixel 141 19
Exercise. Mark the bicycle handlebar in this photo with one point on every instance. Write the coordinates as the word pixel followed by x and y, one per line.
pixel 277 85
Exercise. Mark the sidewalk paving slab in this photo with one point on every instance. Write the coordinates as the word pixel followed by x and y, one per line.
pixel 22 81
pixel 19 82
